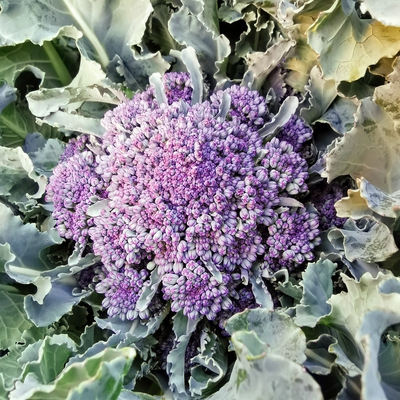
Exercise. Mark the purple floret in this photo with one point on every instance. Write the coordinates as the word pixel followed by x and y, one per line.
pixel 285 167
pixel 324 196
pixel 296 132
pixel 248 106
pixel 122 290
pixel 291 239
pixel 197 292
pixel 72 188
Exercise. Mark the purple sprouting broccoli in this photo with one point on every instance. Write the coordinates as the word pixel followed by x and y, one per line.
pixel 297 133
pixel 285 167
pixel 185 197
pixel 72 188
pixel 185 187
pixel 324 196
pixel 291 239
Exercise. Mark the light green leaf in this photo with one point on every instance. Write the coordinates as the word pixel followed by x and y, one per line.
pixel 261 64
pixel 356 43
pixel 321 94
pixel 275 329
pixel 46 358
pixel 264 374
pixel 367 239
pixel 13 320
pixel 98 377
pixel 211 49
pixel 373 146
pixel 317 289
pixel 210 365
pixel 386 11
pixel 388 96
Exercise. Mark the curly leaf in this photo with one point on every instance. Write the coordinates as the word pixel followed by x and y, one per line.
pixel 373 146
pixel 7 96
pixel 317 289
pixel 100 376
pixel 210 365
pixel 321 94
pixel 367 239
pixel 264 374
pixel 356 43
pixel 275 329
pixel 211 49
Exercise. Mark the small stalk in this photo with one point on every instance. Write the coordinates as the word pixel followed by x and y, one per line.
pixel 61 70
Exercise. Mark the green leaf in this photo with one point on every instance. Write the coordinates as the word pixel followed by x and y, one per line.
pixel 373 146
pixel 317 289
pixel 211 49
pixel 183 328
pixel 261 367
pixel 13 320
pixel 210 365
pixel 46 158
pixel 356 43
pixel 321 94
pixel 108 28
pixel 275 329
pixel 340 115
pixel 46 358
pixel 43 61
pixel 374 383
pixel 369 240
pixel 98 377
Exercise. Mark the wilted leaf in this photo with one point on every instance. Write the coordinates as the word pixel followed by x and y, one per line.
pixel 353 205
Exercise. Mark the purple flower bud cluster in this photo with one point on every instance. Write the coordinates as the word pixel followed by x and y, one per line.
pixel 122 290
pixel 291 239
pixel 296 132
pixel 72 188
pixel 324 196
pixel 184 192
pixel 285 167
pixel 246 105
pixel 197 292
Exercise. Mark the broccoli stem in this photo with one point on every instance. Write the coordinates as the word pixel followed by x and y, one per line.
pixel 61 70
